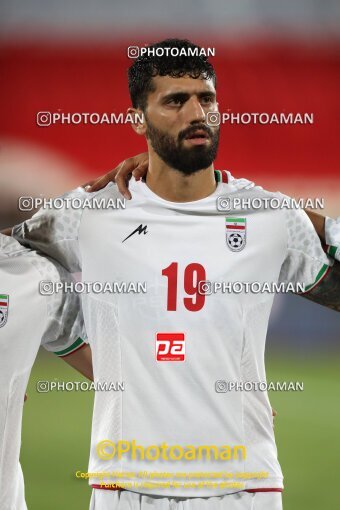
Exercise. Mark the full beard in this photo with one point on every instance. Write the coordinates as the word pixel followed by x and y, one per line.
pixel 178 157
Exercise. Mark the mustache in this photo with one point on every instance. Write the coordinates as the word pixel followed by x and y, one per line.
pixel 192 129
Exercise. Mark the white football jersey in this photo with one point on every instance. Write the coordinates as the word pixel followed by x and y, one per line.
pixel 28 319
pixel 176 346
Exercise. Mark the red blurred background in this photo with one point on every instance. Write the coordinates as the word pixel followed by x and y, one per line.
pixel 257 76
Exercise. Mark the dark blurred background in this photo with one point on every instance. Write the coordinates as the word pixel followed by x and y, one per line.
pixel 271 56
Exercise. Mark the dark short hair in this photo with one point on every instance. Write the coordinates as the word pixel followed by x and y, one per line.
pixel 147 66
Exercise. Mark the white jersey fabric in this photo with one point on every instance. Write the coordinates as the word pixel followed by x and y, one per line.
pixel 126 500
pixel 27 320
pixel 171 346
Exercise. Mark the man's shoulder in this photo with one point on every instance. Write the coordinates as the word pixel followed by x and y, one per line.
pixel 239 183
pixel 244 194
pixel 246 186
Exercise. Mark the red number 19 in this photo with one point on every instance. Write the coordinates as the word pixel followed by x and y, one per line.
pixel 193 274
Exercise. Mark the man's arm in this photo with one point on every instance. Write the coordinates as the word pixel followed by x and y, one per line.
pixel 327 292
pixel 81 360
pixel 307 263
pixel 318 223
pixel 137 166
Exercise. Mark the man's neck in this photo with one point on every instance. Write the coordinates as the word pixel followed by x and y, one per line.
pixel 175 186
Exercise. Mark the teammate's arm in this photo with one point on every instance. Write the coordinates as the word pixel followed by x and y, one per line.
pixel 137 166
pixel 81 361
pixel 306 262
pixel 318 223
pixel 327 292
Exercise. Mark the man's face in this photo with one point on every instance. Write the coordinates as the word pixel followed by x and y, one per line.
pixel 175 118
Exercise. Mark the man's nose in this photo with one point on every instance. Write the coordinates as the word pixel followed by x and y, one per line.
pixel 194 111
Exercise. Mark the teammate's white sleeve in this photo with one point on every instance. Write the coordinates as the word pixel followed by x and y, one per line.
pixel 332 237
pixel 305 260
pixel 65 330
pixel 54 231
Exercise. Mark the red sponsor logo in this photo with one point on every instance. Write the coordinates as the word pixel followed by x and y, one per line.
pixel 170 347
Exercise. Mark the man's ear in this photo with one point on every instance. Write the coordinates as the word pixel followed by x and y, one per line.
pixel 138 120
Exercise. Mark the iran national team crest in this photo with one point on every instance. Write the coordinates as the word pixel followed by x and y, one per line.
pixel 235 233
pixel 4 299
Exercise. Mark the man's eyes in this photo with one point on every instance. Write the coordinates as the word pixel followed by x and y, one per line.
pixel 207 99
pixel 176 101
pixel 180 101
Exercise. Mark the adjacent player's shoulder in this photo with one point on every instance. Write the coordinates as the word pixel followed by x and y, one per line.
pixel 12 251
pixel 235 183
pixel 10 248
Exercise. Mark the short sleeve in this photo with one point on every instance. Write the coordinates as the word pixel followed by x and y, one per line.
pixel 65 331
pixel 54 230
pixel 305 263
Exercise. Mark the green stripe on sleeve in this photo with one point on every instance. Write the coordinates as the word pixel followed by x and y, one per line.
pixel 319 276
pixel 72 347
pixel 331 251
